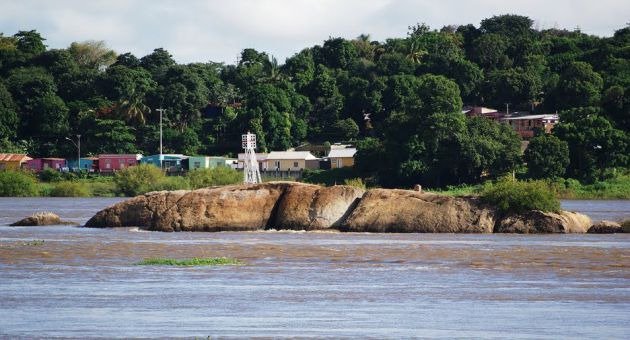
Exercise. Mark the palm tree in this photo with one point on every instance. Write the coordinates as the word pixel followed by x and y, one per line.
pixel 132 109
pixel 416 53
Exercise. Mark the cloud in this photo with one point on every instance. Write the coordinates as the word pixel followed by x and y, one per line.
pixel 198 30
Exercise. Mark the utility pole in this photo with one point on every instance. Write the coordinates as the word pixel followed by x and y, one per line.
pixel 507 109
pixel 79 153
pixel 161 111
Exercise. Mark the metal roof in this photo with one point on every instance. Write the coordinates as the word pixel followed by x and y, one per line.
pixel 277 155
pixel 14 157
pixel 553 116
pixel 342 153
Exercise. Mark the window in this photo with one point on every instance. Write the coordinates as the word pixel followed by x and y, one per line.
pixel 295 164
pixel 277 164
pixel 197 165
pixel 108 165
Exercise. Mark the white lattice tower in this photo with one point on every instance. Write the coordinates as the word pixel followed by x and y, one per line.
pixel 250 164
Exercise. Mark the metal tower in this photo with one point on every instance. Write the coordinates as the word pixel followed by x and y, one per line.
pixel 250 165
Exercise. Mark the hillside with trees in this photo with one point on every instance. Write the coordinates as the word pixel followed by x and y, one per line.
pixel 400 100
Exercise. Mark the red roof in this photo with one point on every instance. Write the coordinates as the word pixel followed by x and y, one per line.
pixel 14 157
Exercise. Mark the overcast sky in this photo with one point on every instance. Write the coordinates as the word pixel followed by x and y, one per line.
pixel 213 30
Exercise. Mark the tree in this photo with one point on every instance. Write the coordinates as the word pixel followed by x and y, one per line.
pixel 579 86
pixel 30 43
pixel 336 53
pixel 490 51
pixel 546 156
pixel 157 62
pixel 8 114
pixel 92 54
pixel 594 145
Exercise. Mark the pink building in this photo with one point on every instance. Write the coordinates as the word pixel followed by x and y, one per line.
pixel 39 164
pixel 114 162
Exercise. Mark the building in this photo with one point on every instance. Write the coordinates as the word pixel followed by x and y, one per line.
pixel 480 111
pixel 40 164
pixel 115 162
pixel 261 158
pixel 89 164
pixel 526 125
pixel 291 161
pixel 340 158
pixel 203 162
pixel 168 162
pixel 13 161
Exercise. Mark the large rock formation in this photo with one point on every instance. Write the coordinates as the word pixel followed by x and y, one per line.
pixel 236 207
pixel 538 222
pixel 290 205
pixel 406 211
pixel 312 207
pixel 281 205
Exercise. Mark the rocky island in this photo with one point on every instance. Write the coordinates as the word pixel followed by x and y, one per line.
pixel 298 206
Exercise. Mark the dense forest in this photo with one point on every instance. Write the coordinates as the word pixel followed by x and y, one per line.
pixel 399 100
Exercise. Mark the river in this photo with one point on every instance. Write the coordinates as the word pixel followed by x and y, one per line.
pixel 84 283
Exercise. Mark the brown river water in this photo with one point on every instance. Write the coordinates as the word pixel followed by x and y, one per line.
pixel 84 283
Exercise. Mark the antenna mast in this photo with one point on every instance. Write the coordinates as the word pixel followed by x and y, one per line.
pixel 250 165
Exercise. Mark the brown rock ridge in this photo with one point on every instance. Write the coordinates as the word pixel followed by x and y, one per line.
pixel 298 206
pixel 538 222
pixel 406 211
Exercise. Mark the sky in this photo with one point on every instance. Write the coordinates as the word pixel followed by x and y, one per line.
pixel 213 30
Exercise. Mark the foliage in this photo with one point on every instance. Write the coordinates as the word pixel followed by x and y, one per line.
pixel 195 261
pixel 510 196
pixel 329 177
pixel 70 189
pixel 355 182
pixel 222 175
pixel 171 183
pixel 138 179
pixel 50 175
pixel 17 184
pixel 547 157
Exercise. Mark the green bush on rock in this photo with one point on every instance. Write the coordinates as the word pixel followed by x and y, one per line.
pixel 510 196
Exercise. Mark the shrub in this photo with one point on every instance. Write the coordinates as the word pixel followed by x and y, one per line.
pixel 328 177
pixel 17 184
pixel 50 175
pixel 222 175
pixel 102 188
pixel 517 196
pixel 70 189
pixel 355 182
pixel 171 183
pixel 138 179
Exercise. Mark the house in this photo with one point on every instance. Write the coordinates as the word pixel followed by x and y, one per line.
pixel 291 161
pixel 169 162
pixel 115 162
pixel 13 161
pixel 203 162
pixel 40 164
pixel 480 111
pixel 340 158
pixel 527 124
pixel 261 158
pixel 89 164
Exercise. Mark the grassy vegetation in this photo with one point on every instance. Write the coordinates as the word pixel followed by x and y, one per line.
pixel 17 184
pixel 33 243
pixel 201 178
pixel 355 182
pixel 511 196
pixel 195 261
pixel 617 187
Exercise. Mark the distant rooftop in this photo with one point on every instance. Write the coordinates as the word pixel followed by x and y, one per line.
pixel 342 153
pixel 278 155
